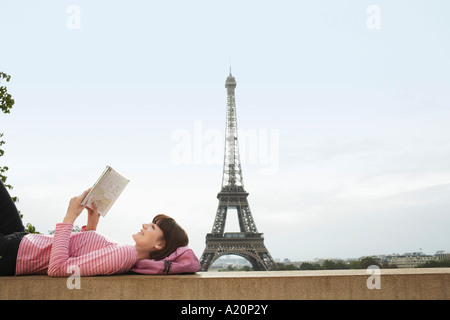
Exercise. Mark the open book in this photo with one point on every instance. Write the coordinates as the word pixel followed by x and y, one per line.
pixel 105 191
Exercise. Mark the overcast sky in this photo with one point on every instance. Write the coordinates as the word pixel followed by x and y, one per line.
pixel 343 109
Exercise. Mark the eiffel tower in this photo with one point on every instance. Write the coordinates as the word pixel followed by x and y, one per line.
pixel 248 243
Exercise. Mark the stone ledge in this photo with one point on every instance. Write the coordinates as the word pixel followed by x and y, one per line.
pixel 405 284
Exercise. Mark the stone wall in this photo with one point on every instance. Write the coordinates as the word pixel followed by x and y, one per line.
pixel 276 285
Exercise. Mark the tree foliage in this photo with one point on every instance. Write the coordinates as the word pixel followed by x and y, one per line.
pixel 363 263
pixel 6 101
pixel 435 264
pixel 6 104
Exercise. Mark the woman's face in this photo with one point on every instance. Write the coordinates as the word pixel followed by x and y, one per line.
pixel 149 238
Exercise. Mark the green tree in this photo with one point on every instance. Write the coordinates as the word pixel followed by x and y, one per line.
pixel 284 266
pixel 334 265
pixel 368 261
pixel 355 264
pixel 309 266
pixel 6 101
pixel 435 264
pixel 6 104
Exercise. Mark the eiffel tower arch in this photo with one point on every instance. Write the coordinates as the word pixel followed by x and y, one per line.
pixel 248 243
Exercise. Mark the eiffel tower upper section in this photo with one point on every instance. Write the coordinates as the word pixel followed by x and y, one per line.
pixel 232 173
pixel 232 193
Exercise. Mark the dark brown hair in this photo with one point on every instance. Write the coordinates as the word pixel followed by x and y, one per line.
pixel 173 236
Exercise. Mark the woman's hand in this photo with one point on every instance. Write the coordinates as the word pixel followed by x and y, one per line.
pixel 93 218
pixel 75 208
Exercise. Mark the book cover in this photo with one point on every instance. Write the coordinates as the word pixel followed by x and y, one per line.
pixel 105 191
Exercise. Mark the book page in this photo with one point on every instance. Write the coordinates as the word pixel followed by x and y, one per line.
pixel 106 191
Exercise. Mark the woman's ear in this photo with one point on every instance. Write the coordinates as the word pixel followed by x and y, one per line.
pixel 159 245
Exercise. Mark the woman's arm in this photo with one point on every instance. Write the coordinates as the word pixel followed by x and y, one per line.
pixel 75 208
pixel 107 258
pixel 93 218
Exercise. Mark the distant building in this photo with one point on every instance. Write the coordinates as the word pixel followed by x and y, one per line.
pixel 413 259
pixel 410 260
pixel 405 260
pixel 441 255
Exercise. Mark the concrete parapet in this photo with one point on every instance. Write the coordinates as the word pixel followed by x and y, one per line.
pixel 409 284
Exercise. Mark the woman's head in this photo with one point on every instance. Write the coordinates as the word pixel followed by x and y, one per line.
pixel 161 237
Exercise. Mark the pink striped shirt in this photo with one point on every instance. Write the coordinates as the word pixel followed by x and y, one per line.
pixel 92 252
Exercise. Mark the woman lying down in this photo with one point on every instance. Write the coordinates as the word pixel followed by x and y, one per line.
pixel 160 246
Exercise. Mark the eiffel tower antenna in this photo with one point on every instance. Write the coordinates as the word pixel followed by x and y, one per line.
pixel 248 242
